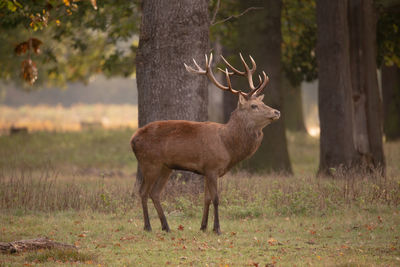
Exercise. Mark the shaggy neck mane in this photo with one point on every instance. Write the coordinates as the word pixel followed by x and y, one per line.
pixel 241 137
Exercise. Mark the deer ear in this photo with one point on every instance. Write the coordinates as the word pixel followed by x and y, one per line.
pixel 261 97
pixel 242 100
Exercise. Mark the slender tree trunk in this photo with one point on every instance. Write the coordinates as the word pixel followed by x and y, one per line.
pixel 293 108
pixel 334 99
pixel 391 101
pixel 367 101
pixel 172 32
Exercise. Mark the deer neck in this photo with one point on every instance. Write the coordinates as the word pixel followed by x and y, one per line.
pixel 241 137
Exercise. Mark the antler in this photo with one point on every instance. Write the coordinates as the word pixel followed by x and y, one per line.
pixel 248 73
pixel 210 75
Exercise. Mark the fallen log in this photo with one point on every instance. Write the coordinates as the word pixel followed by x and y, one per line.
pixel 32 244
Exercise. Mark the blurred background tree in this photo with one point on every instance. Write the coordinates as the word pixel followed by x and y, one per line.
pixel 79 39
pixel 388 39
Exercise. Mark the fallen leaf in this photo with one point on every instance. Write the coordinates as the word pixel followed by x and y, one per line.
pixel 180 227
pixel 272 241
pixel 127 238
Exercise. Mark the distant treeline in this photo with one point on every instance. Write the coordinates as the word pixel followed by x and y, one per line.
pixel 100 90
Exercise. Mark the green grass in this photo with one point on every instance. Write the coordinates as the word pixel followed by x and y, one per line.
pixel 77 188
pixel 354 238
pixel 68 151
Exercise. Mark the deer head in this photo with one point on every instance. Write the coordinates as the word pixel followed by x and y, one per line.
pixel 250 105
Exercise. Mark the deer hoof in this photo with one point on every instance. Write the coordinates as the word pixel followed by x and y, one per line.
pixel 217 231
pixel 166 229
pixel 147 228
pixel 203 228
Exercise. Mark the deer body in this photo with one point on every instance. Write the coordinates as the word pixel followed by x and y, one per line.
pixel 199 147
pixel 207 148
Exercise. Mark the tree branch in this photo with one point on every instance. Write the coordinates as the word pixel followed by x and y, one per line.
pixel 235 16
pixel 215 12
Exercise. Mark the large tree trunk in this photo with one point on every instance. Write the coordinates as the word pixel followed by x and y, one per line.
pixel 172 32
pixel 350 104
pixel 260 36
pixel 367 101
pixel 334 99
pixel 391 101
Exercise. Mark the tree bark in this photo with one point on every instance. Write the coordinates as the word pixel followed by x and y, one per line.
pixel 337 148
pixel 350 104
pixel 260 36
pixel 367 101
pixel 391 101
pixel 172 32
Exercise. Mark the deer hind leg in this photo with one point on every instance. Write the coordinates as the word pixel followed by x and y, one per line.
pixel 150 175
pixel 213 188
pixel 207 202
pixel 155 196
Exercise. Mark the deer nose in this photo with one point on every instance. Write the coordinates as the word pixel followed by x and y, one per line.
pixel 277 113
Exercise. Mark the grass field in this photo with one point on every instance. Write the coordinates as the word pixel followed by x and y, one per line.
pixel 76 187
pixel 65 119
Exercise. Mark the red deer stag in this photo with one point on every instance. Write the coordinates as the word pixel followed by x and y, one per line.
pixel 206 148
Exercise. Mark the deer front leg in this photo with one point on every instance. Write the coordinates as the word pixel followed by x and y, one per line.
pixel 207 202
pixel 213 188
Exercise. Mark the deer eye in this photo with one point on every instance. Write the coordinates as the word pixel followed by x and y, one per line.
pixel 254 106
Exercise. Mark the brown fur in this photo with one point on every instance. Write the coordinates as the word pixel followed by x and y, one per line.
pixel 206 148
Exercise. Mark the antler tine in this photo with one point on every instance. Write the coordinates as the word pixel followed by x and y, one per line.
pixel 198 67
pixel 211 76
pixel 208 63
pixel 249 72
pixel 238 72
pixel 228 80
pixel 253 63
pixel 262 85
pixel 192 70
pixel 230 73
